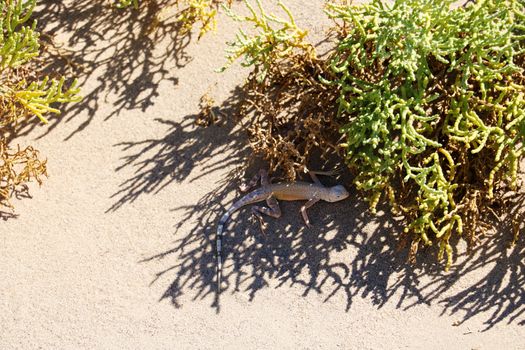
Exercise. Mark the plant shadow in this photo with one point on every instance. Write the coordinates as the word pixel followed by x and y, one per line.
pixel 128 53
pixel 156 163
pixel 347 252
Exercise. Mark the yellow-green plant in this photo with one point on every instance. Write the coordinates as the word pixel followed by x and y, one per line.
pixel 127 3
pixel 23 94
pixel 37 97
pixel 290 113
pixel 275 39
pixel 190 12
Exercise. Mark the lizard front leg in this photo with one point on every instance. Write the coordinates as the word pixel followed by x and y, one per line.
pixel 273 210
pixel 306 206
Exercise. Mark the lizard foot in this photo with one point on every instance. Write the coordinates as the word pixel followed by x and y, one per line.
pixel 303 211
pixel 256 211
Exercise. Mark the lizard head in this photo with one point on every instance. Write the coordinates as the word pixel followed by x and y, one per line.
pixel 337 193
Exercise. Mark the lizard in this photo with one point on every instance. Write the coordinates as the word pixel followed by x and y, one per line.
pixel 312 192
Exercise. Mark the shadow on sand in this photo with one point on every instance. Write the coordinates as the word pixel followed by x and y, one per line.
pixel 123 54
pixel 347 251
pixel 156 163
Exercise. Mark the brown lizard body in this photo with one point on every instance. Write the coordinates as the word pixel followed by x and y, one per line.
pixel 310 191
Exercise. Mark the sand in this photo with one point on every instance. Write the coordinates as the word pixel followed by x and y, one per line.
pixel 115 251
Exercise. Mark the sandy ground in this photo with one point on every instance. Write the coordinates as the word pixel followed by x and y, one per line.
pixel 115 251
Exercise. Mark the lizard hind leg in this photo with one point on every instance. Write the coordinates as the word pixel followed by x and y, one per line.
pixel 273 210
pixel 313 174
pixel 261 174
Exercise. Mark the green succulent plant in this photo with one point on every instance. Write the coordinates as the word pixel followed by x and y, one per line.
pixel 426 89
pixel 430 104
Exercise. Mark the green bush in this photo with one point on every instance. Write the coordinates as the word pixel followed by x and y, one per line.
pixel 435 95
pixel 429 100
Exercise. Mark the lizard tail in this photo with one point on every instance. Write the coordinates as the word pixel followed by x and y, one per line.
pixel 255 196
pixel 220 232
